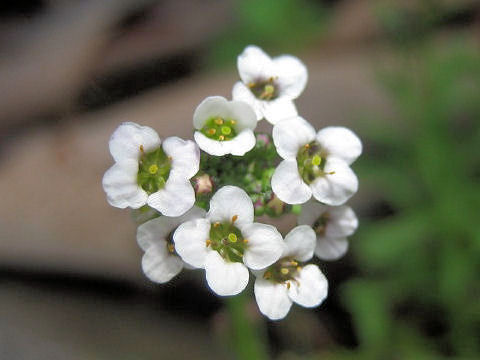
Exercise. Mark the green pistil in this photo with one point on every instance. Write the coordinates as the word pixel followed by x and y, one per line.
pixel 218 128
pixel 153 170
pixel 284 270
pixel 265 89
pixel 227 239
pixel 310 162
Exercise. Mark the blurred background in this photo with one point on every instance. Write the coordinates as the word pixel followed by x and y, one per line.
pixel 404 75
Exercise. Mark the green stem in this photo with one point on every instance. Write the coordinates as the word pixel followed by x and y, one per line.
pixel 248 340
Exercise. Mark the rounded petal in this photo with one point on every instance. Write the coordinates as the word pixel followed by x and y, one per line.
pixel 185 155
pixel 241 92
pixel 176 198
pixel 120 185
pixel 239 145
pixel 311 211
pixel 310 287
pixel 272 299
pixel 254 64
pixel 211 106
pixel 265 245
pixel 190 241
pixel 242 112
pixel 225 278
pixel 160 266
pixel 342 221
pixel 300 242
pixel 230 201
pixel 155 231
pixel 290 135
pixel 126 140
pixel 292 76
pixel 340 142
pixel 329 248
pixel 288 185
pixel 338 186
pixel 279 109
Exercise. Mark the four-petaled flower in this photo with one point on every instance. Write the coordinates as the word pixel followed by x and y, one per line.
pixel 147 171
pixel 332 225
pixel 160 263
pixel 289 280
pixel 314 163
pixel 227 242
pixel 269 85
pixel 224 127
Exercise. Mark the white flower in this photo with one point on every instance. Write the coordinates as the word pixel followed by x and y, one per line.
pixel 288 281
pixel 314 164
pixel 160 263
pixel 332 224
pixel 147 173
pixel 227 242
pixel 224 127
pixel 269 85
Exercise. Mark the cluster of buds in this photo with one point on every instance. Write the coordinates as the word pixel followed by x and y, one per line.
pixel 196 201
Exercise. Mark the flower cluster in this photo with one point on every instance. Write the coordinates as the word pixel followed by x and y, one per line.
pixel 197 201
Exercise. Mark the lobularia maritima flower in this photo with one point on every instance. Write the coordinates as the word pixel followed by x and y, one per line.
pixel 160 263
pixel 149 172
pixel 227 242
pixel 314 163
pixel 332 225
pixel 224 127
pixel 289 280
pixel 269 85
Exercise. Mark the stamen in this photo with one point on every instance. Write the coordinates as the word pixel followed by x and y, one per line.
pixel 330 173
pixel 288 284
pixel 218 121
pixel 251 85
pixel 267 275
pixel 234 218
pixel 299 268
pixel 232 237
pixel 208 242
pixel 217 224
pixel 294 263
pixel 232 122
pixel 307 146
pixel 226 130
pixel 142 149
pixel 212 131
pixel 153 169
pixel 171 248
pixel 284 271
pixel 245 241
pixel 221 138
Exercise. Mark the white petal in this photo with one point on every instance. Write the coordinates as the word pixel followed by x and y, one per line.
pixel 160 266
pixel 242 143
pixel 120 185
pixel 300 242
pixel 311 211
pixel 225 278
pixel 331 248
pixel 185 155
pixel 265 245
pixel 228 202
pixel 242 93
pixel 279 109
pixel 239 145
pixel 243 114
pixel 126 140
pixel 292 75
pixel 342 221
pixel 337 188
pixel 310 287
pixel 253 65
pixel 288 185
pixel 190 241
pixel 340 142
pixel 272 299
pixel 176 198
pixel 209 107
pixel 290 135
pixel 157 230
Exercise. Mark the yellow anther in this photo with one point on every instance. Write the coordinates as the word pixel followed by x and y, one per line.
pixel 267 275
pixel 288 284
pixel 245 241
pixel 212 131
pixel 232 237
pixel 217 224
pixel 218 121
pixel 141 149
pixel 294 263
pixel 232 122
pixel 251 85
pixel 330 173
pixel 208 242
pixel 226 130
pixel 221 138
pixel 169 158
pixel 307 146
pixel 153 169
pixel 234 218
pixel 171 247
pixel 299 268
pixel 316 160
pixel 284 271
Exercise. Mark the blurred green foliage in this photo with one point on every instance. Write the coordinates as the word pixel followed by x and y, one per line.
pixel 418 293
pixel 288 25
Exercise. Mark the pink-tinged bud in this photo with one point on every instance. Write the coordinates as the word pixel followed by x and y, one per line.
pixel 258 203
pixel 263 138
pixel 203 184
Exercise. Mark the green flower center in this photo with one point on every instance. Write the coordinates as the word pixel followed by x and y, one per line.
pixel 228 240
pixel 264 89
pixel 320 225
pixel 283 271
pixel 218 128
pixel 311 162
pixel 153 170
